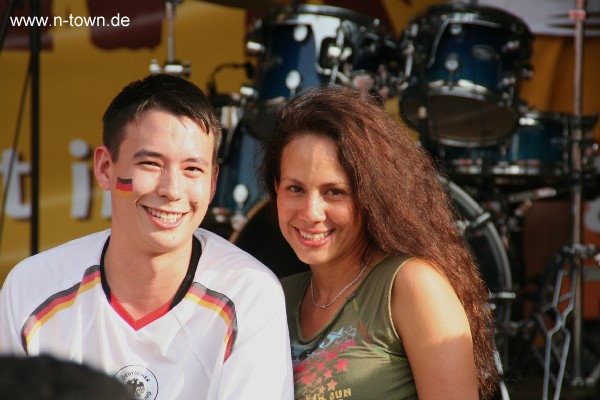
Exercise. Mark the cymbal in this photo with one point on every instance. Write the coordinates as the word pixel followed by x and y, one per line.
pixel 251 5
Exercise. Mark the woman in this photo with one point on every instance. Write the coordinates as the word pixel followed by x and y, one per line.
pixel 393 306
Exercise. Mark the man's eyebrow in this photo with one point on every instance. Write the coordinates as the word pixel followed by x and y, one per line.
pixel 148 153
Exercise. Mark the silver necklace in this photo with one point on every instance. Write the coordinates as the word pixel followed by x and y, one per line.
pixel 324 306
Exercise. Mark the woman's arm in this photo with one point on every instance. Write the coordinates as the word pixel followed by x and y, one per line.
pixel 434 329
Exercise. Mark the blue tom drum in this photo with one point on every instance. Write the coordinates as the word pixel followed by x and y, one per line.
pixel 463 64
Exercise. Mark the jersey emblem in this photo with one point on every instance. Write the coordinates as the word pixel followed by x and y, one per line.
pixel 140 381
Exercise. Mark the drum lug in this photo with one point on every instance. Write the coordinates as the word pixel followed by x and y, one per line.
pixel 527 72
pixel 247 91
pixel 293 80
pixel 240 196
pixel 254 48
pixel 511 45
pixel 334 52
pixel 509 81
pixel 452 62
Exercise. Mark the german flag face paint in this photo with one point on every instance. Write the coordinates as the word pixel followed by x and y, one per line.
pixel 124 187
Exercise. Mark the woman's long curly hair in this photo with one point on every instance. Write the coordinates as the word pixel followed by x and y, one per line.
pixel 397 189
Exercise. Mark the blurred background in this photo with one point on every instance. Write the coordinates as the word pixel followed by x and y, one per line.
pixel 507 91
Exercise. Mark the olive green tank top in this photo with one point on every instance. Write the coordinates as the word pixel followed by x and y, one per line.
pixel 358 354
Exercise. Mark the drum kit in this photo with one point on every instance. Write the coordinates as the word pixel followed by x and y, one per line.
pixel 456 72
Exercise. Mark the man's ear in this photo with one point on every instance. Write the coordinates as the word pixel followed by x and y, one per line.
pixel 103 167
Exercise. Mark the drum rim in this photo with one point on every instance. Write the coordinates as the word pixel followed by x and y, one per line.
pixel 484 96
pixel 486 10
pixel 499 254
pixel 255 209
pixel 488 229
pixel 327 11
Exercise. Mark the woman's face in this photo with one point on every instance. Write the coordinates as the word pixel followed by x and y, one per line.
pixel 315 203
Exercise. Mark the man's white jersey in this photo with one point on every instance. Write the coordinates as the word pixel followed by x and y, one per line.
pixel 227 339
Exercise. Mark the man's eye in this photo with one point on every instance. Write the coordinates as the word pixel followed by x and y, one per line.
pixel 194 169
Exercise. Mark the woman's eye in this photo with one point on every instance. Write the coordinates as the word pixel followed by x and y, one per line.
pixel 335 192
pixel 294 189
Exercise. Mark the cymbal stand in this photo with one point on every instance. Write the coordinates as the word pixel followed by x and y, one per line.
pixel 171 66
pixel 560 293
pixel 578 15
pixel 555 301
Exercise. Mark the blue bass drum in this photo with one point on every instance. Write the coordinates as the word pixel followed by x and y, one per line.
pixel 464 63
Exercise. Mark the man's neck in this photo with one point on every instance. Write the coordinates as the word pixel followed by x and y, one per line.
pixel 144 282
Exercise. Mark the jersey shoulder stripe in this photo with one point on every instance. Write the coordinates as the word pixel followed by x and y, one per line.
pixel 222 305
pixel 57 302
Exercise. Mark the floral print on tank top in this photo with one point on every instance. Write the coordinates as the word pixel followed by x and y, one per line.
pixel 316 373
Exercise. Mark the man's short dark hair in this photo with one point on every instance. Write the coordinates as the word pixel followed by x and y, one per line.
pixel 168 93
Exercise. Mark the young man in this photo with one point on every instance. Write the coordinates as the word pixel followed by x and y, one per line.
pixel 171 310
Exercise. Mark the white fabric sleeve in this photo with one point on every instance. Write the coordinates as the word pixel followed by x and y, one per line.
pixel 10 337
pixel 260 364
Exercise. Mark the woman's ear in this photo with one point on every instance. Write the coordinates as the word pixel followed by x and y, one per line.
pixel 276 185
pixel 103 167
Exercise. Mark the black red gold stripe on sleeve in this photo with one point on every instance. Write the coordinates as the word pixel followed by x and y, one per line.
pixel 220 304
pixel 56 303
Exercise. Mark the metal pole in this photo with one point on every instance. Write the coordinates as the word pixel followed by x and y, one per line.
pixel 170 11
pixel 35 34
pixel 578 15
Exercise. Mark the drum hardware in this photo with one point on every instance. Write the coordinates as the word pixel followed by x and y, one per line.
pixel 545 334
pixel 240 195
pixel 557 316
pixel 478 222
pixel 578 15
pixel 171 66
pixel 229 107
pixel 528 197
pixel 211 81
pixel 504 394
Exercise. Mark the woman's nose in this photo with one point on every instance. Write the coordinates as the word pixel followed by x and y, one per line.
pixel 314 208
